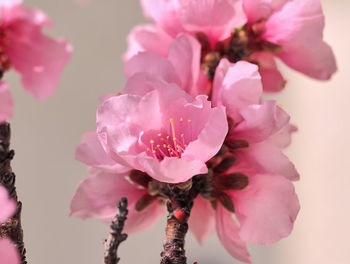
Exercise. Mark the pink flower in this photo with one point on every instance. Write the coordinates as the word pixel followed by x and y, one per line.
pixel 8 252
pixel 214 19
pixel 264 30
pixel 97 196
pixel 6 103
pixel 296 26
pixel 38 58
pixel 157 128
pixel 252 177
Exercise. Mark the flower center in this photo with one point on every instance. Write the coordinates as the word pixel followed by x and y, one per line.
pixel 172 145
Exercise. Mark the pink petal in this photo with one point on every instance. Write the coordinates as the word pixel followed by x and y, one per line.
pixel 140 221
pixel 266 209
pixel 201 222
pixel 153 64
pixel 215 18
pixel 7 205
pixel 39 59
pixel 8 252
pixel 283 138
pixel 10 3
pixel 6 102
pixel 297 23
pixel 91 153
pixel 261 9
pixel 147 38
pixel 236 86
pixel 212 135
pixel 228 233
pixel 166 13
pixel 261 122
pixel 185 56
pixel 266 157
pixel 271 77
pixel 97 195
pixel 171 170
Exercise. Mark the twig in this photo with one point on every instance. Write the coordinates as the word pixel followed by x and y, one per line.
pixel 116 236
pixel 179 208
pixel 13 227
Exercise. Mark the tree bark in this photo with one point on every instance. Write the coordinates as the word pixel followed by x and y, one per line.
pixel 12 228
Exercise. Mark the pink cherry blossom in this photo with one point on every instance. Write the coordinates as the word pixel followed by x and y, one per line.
pixel 38 58
pixel 97 195
pixel 8 252
pixel 6 103
pixel 157 128
pixel 259 182
pixel 291 24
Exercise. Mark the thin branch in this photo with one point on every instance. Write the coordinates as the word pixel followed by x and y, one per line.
pixel 12 228
pixel 116 237
pixel 179 207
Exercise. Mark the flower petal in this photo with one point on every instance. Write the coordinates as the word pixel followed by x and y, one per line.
pixel 297 23
pixel 228 233
pixel 8 252
pixel 271 77
pixel 7 205
pixel 6 102
pixel 266 208
pixel 201 222
pixel 39 59
pixel 185 56
pixel 261 9
pixel 261 122
pixel 215 18
pixel 147 38
pixel 236 86
pixel 212 135
pixel 269 158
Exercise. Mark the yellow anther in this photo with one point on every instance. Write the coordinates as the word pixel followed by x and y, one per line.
pixel 189 121
pixel 152 141
pixel 148 149
pixel 181 119
pixel 160 134
pixel 158 146
pixel 182 135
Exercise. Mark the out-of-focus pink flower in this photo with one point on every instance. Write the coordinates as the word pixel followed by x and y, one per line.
pixel 258 186
pixel 157 128
pixel 6 102
pixel 38 58
pixel 296 26
pixel 8 252
pixel 98 195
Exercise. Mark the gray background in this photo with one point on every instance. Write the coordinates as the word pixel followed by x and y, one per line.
pixel 45 135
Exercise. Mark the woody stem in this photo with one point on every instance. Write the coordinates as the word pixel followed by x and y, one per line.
pixel 12 228
pixel 179 208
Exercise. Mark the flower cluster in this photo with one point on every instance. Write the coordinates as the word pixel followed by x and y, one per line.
pixel 38 58
pixel 192 112
pixel 8 252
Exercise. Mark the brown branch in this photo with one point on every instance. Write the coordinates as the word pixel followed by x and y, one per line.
pixel 179 207
pixel 12 228
pixel 116 237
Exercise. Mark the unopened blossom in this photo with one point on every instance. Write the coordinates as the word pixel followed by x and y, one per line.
pixel 8 251
pixel 157 128
pixel 39 59
pixel 6 102
pixel 250 177
pixel 264 30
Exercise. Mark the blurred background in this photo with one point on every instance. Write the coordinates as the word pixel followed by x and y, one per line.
pixel 45 135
